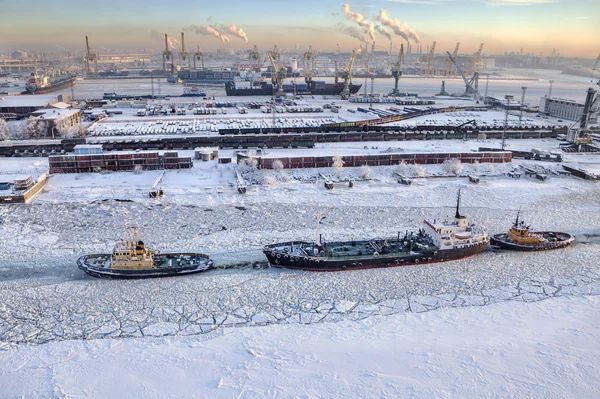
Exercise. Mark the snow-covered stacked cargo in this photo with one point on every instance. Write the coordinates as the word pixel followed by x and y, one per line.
pixel 124 161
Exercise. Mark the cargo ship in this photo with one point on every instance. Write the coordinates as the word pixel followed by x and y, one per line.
pixel 521 238
pixel 192 91
pixel 38 84
pixel 130 258
pixel 434 242
pixel 204 76
pixel 252 85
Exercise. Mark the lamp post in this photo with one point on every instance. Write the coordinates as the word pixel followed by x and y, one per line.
pixel 522 104
pixel 507 97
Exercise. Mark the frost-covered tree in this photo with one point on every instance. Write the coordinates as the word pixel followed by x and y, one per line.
pixel 419 170
pixel 453 166
pixel 32 127
pixel 3 129
pixel 277 165
pixel 247 165
pixel 338 165
pixel 365 172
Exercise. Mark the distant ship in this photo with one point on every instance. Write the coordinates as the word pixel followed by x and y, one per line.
pixel 435 242
pixel 192 91
pixel 252 85
pixel 39 84
pixel 204 76
pixel 521 238
pixel 130 258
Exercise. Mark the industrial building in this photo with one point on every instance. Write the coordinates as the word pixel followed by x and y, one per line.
pixel 561 108
pixel 55 121
pixel 23 106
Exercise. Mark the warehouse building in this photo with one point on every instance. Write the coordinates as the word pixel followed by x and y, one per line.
pixel 561 108
pixel 23 106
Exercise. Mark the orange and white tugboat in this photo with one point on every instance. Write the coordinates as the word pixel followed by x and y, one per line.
pixel 131 259
pixel 521 238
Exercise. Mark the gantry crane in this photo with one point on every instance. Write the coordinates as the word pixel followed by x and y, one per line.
pixel 167 56
pixel 254 56
pixel 310 66
pixel 397 71
pixel 341 62
pixel 347 74
pixel 448 66
pixel 427 63
pixel 279 72
pixel 198 56
pixel 472 85
pixel 591 100
pixel 474 63
pixel 90 57
pixel 184 54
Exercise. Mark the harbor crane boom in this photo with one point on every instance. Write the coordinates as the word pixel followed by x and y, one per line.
pixel 397 71
pixel 347 74
pixel 310 65
pixel 471 86
pixel 184 54
pixel 90 57
pixel 279 72
pixel 255 56
pixel 167 56
pixel 198 56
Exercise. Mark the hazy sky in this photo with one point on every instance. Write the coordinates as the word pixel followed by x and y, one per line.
pixel 570 26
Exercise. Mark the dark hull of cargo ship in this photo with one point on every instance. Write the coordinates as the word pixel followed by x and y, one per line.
pixel 53 87
pixel 554 240
pixel 204 264
pixel 316 90
pixel 344 263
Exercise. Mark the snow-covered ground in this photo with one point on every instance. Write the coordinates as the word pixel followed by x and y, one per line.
pixel 512 349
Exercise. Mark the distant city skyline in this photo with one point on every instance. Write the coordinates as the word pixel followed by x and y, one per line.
pixel 569 26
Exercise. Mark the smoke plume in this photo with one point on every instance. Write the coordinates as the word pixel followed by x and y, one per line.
pixel 208 31
pixel 402 30
pixel 355 33
pixel 384 32
pixel 157 36
pixel 360 20
pixel 237 32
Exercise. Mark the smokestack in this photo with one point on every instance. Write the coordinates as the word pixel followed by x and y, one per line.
pixel 390 47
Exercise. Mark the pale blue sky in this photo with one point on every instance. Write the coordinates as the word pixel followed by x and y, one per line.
pixel 570 26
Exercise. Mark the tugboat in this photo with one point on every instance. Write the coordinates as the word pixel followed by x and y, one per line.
pixel 131 259
pixel 435 242
pixel 521 238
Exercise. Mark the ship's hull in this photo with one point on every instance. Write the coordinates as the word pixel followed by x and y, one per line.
pixel 556 240
pixel 267 90
pixel 53 87
pixel 344 263
pixel 193 95
pixel 203 263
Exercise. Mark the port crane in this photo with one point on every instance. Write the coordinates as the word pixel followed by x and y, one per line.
pixel 475 62
pixel 590 106
pixel 427 65
pixel 347 74
pixel 254 56
pixel 167 56
pixel 184 54
pixel 198 56
pixel 472 85
pixel 279 72
pixel 397 71
pixel 310 66
pixel 90 57
pixel 448 70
